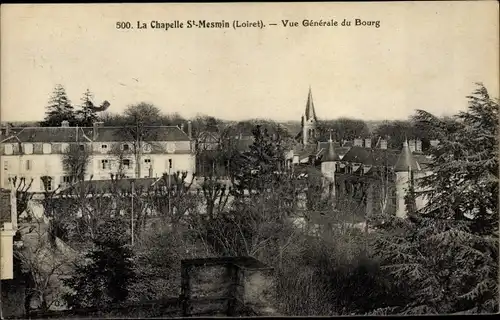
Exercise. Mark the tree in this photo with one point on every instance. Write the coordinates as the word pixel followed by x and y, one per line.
pixel 75 162
pixel 139 118
pixel 45 265
pixel 59 109
pixel 216 195
pixel 258 166
pixel 143 113
pixel 104 276
pixel 344 128
pixel 447 252
pixel 87 114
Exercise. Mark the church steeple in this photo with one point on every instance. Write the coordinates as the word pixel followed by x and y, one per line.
pixel 309 121
pixel 310 112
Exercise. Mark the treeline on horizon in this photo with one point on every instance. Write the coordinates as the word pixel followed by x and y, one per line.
pixel 84 114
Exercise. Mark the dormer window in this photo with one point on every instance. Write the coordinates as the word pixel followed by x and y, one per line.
pixel 47 148
pixel 8 149
pixel 28 148
pixel 82 147
pixel 147 148
pixel 65 147
pixel 125 147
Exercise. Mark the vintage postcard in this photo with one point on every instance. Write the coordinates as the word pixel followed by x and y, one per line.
pixel 249 159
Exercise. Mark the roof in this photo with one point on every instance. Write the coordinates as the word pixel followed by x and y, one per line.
pixel 406 161
pixel 330 154
pixel 359 155
pixel 76 134
pixel 152 133
pixel 124 185
pixel 50 134
pixel 310 112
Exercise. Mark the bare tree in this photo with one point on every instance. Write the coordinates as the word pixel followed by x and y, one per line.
pixel 75 161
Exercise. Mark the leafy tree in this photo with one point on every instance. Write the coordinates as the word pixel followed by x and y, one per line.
pixel 87 114
pixel 446 254
pixel 59 109
pixel 258 166
pixel 103 277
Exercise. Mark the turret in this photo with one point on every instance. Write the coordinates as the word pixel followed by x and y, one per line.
pixel 404 168
pixel 328 166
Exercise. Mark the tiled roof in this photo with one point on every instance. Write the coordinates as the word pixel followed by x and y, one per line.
pixel 51 134
pixel 359 155
pixel 152 133
pixel 383 157
pixel 74 134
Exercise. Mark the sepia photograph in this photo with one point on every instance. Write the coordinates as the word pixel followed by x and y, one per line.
pixel 249 159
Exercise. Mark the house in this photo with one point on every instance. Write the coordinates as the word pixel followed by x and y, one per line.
pixel 148 151
pixel 371 173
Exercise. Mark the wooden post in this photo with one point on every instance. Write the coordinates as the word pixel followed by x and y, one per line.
pixel 185 289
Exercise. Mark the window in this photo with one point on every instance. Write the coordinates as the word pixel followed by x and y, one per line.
pixel 28 148
pixel 147 147
pixel 168 164
pixel 126 163
pixel 147 161
pixel 27 165
pixel 8 149
pixel 125 147
pixel 82 147
pixel 104 147
pixel 170 147
pixel 105 164
pixel 66 179
pixel 47 148
pixel 6 165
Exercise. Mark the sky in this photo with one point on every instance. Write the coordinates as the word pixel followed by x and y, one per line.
pixel 424 55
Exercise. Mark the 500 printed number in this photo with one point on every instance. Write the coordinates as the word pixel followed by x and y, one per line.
pixel 123 25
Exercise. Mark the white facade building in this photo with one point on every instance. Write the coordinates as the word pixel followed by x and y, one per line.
pixel 35 152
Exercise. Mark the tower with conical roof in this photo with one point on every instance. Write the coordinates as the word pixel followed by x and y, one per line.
pixel 328 166
pixel 405 167
pixel 309 121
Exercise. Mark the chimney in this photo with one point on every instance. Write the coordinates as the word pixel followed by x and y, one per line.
pixel 383 144
pixel 65 123
pixel 190 130
pixel 418 145
pixel 358 142
pixel 368 143
pixel 95 130
pixel 182 127
pixel 411 145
